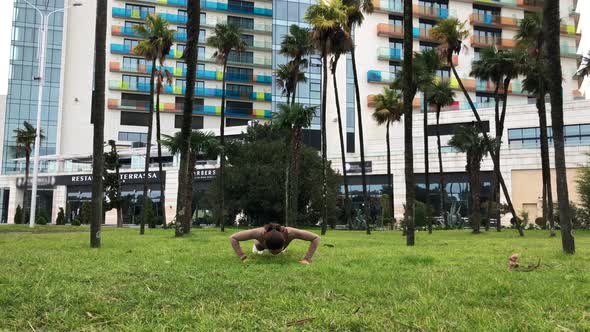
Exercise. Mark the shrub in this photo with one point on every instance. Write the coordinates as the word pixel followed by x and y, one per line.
pixel 61 217
pixel 76 221
pixel 42 217
pixel 18 215
pixel 539 221
pixel 86 213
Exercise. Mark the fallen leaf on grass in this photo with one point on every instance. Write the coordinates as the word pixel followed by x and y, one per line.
pixel 328 245
pixel 300 322
pixel 90 315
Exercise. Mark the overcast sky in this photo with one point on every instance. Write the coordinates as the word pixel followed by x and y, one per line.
pixel 5 30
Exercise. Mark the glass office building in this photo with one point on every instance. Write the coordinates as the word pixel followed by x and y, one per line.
pixel 21 104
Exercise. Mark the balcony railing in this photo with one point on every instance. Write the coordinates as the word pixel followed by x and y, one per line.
pixel 531 4
pixel 212 5
pixel 215 75
pixel 199 92
pixel 432 12
pixel 376 76
pixel 486 41
pixel 423 34
pixel 386 53
pixel 569 29
pixel 197 109
pixel 392 6
pixel 569 51
pixel 390 30
pixel 494 20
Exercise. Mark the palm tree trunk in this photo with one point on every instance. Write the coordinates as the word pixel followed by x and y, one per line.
pixel 475 188
pixel 551 31
pixel 389 177
pixel 495 194
pixel 346 204
pixel 324 143
pixel 492 153
pixel 426 164
pixel 287 185
pixel 98 101
pixel 408 139
pixel 222 155
pixel 190 55
pixel 118 207
pixel 147 152
pixel 25 200
pixel 297 134
pixel 361 139
pixel 189 194
pixel 161 172
pixel 293 94
pixel 545 165
pixel 441 177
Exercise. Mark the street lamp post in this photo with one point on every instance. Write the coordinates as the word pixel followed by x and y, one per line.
pixel 43 40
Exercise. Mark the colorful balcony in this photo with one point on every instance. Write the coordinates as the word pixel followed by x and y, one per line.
pixel 498 2
pixel 479 41
pixel 568 29
pixel 376 76
pixel 390 30
pixel 531 4
pixel 121 49
pixel 494 20
pixel 424 34
pixel 569 51
pixel 211 5
pixel 386 53
pixel 197 109
pixel 117 30
pixel 389 6
pixel 199 92
pixel 430 12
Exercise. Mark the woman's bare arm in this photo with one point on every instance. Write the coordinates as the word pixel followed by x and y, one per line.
pixel 250 234
pixel 307 236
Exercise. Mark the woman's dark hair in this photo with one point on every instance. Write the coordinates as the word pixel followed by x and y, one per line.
pixel 274 236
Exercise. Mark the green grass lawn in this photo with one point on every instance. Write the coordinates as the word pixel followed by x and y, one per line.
pixel 450 281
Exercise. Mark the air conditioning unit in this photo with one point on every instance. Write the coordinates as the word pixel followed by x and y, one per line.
pixel 138 144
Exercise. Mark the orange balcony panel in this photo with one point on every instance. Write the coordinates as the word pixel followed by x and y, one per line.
pixel 115 66
pixel 390 30
pixel 169 107
pixel 507 43
pixel 426 34
pixel 455 60
pixel 469 84
pixel 113 103
pixel 509 21
pixel 484 41
pixel 116 30
pixel 531 4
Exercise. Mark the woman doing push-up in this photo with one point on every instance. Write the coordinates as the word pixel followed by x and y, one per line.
pixel 274 238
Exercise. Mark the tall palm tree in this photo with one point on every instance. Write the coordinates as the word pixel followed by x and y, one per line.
pixel 288 76
pixel 451 32
pixel 296 45
pixel 97 116
pixel 156 43
pixel 185 187
pixel 408 123
pixel 201 143
pixel 226 38
pixel 440 94
pixel 355 10
pixel 388 109
pixel 325 19
pixel 162 77
pixel 551 25
pixel 468 139
pixel 293 117
pixel 341 43
pixel 530 37
pixel 25 140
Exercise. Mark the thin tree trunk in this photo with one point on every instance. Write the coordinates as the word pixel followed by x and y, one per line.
pixel 475 188
pixel 408 139
pixel 441 180
pixel 295 152
pixel 147 153
pixel 189 194
pixel 98 101
pixel 287 185
pixel 545 163
pixel 361 139
pixel 161 172
pixel 346 204
pixel 324 143
pixel 492 153
pixel 426 165
pixel 27 165
pixel 389 177
pixel 495 194
pixel 222 160
pixel 551 31
pixel 117 174
pixel 190 56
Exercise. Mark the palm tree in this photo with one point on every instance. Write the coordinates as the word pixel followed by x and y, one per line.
pixel 530 36
pixel 440 94
pixel 388 109
pixel 468 139
pixel 162 77
pixel 341 43
pixel 156 43
pixel 296 45
pixel 201 143
pixel 185 187
pixel 325 19
pixel 408 123
pixel 287 77
pixel 451 32
pixel 551 25
pixel 355 10
pixel 293 117
pixel 25 140
pixel 584 69
pixel 226 38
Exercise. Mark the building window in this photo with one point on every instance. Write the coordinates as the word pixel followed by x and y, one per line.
pixel 242 22
pixel 396 43
pixel 196 122
pixel 229 122
pixel 484 11
pixel 241 57
pixel 239 91
pixel 396 20
pixel 483 99
pixel 131 43
pixel 238 107
pixel 134 64
pixel 144 10
pixel 577 134
pixel 132 136
pixel 239 74
pixel 135 119
pixel 248 39
pixel 424 46
pixel 487 36
pixel 136 82
pixel 434 4
pixel 444 74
